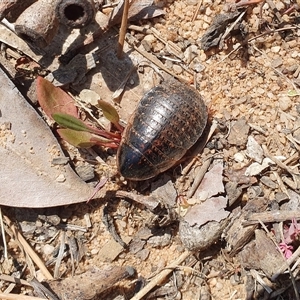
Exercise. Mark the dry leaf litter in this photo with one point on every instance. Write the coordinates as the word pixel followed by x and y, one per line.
pixel 252 93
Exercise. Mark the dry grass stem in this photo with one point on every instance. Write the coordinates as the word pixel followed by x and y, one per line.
pixel 258 278
pixel 60 254
pixel 255 38
pixel 28 249
pixel 154 60
pixel 288 262
pixel 277 71
pixel 228 30
pixel 14 280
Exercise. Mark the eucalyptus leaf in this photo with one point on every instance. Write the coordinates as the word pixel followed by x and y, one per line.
pixel 27 149
pixel 53 99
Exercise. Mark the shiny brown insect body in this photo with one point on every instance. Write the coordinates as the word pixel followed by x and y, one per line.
pixel 169 119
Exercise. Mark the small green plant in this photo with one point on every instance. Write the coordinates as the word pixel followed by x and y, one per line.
pixel 60 107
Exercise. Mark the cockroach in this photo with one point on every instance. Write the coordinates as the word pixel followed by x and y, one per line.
pixel 168 120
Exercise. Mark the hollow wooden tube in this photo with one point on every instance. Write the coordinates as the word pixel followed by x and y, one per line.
pixel 76 13
pixel 38 24
pixel 11 9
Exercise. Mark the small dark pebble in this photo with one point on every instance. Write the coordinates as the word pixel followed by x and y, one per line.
pixel 86 173
pixel 268 182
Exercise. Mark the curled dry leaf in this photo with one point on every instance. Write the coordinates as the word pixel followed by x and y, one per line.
pixel 27 147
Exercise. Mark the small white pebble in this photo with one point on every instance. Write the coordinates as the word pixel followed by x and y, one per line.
pixel 192 201
pixel 61 178
pixel 266 6
pixel 275 49
pixel 94 251
pixel 150 38
pixel 239 157
pixel 177 69
pixel 219 286
pixel 285 103
pixel 48 249
pixel 208 11
pixel 294 54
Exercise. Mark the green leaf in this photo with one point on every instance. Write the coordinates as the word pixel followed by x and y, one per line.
pixel 73 123
pixel 84 139
pixel 80 139
pixel 70 122
pixel 52 99
pixel 109 112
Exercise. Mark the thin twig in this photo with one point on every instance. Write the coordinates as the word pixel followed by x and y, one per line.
pixel 123 29
pixel 161 276
pixel 3 235
pixel 277 71
pixel 131 41
pixel 197 10
pixel 281 184
pixel 199 177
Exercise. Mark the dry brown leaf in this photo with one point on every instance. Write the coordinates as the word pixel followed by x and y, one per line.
pixel 27 147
